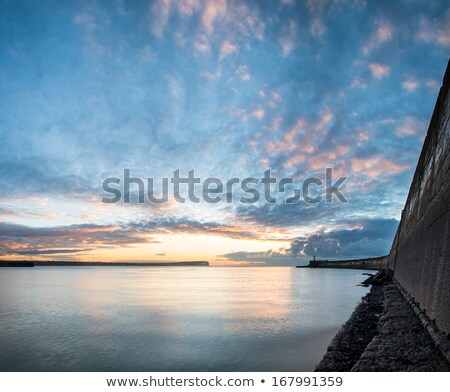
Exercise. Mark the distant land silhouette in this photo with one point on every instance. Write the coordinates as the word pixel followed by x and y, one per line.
pixel 25 263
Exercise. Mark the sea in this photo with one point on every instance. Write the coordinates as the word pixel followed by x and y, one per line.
pixel 116 318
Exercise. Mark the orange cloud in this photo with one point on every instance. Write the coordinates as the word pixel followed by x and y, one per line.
pixel 322 160
pixel 376 165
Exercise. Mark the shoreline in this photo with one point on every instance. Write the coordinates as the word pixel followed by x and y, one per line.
pixel 383 334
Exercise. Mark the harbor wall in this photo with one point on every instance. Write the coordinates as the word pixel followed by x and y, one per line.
pixel 373 263
pixel 420 254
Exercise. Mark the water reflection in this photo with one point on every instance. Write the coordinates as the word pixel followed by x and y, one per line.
pixel 171 319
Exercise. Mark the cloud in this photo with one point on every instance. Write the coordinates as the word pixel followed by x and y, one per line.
pixel 410 84
pixel 289 140
pixel 435 31
pixel 288 37
pixel 285 215
pixel 382 34
pixel 410 126
pixel 328 158
pixel 367 238
pixel 21 239
pixel 162 9
pixel 301 142
pixel 227 49
pixel 202 46
pixel 376 165
pixel 188 7
pixel 161 13
pixel 213 9
pixel 17 239
pixel 243 72
pixel 432 84
pixel 40 178
pixel 259 113
pixel 317 27
pixel 379 70
pixel 184 225
pixel 147 53
pixel 49 251
pixel 315 6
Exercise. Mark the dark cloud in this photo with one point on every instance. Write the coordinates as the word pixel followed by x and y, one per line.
pixel 184 225
pixel 288 215
pixel 369 238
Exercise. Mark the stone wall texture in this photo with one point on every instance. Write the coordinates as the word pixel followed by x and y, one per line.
pixel 420 254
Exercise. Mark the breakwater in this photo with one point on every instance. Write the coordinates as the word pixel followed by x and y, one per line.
pixel 420 254
pixel 371 263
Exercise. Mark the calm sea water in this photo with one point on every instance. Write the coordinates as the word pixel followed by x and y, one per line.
pixel 171 319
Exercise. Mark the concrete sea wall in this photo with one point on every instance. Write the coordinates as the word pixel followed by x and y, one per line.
pixel 420 254
pixel 373 263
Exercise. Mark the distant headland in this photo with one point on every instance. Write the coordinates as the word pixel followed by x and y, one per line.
pixel 24 263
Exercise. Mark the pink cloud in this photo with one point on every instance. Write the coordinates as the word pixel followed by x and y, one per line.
pixel 202 45
pixel 227 49
pixel 287 143
pixel 213 10
pixel 435 31
pixel 326 158
pixel 432 84
pixel 383 33
pixel 410 84
pixel 379 70
pixel 259 114
pixel 161 13
pixel 376 166
pixel 324 120
pixel 411 126
pixel 287 39
pixel 294 161
pixel 187 7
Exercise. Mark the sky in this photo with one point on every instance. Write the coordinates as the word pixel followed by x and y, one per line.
pixel 228 89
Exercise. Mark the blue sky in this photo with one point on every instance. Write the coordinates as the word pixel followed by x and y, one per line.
pixel 228 88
